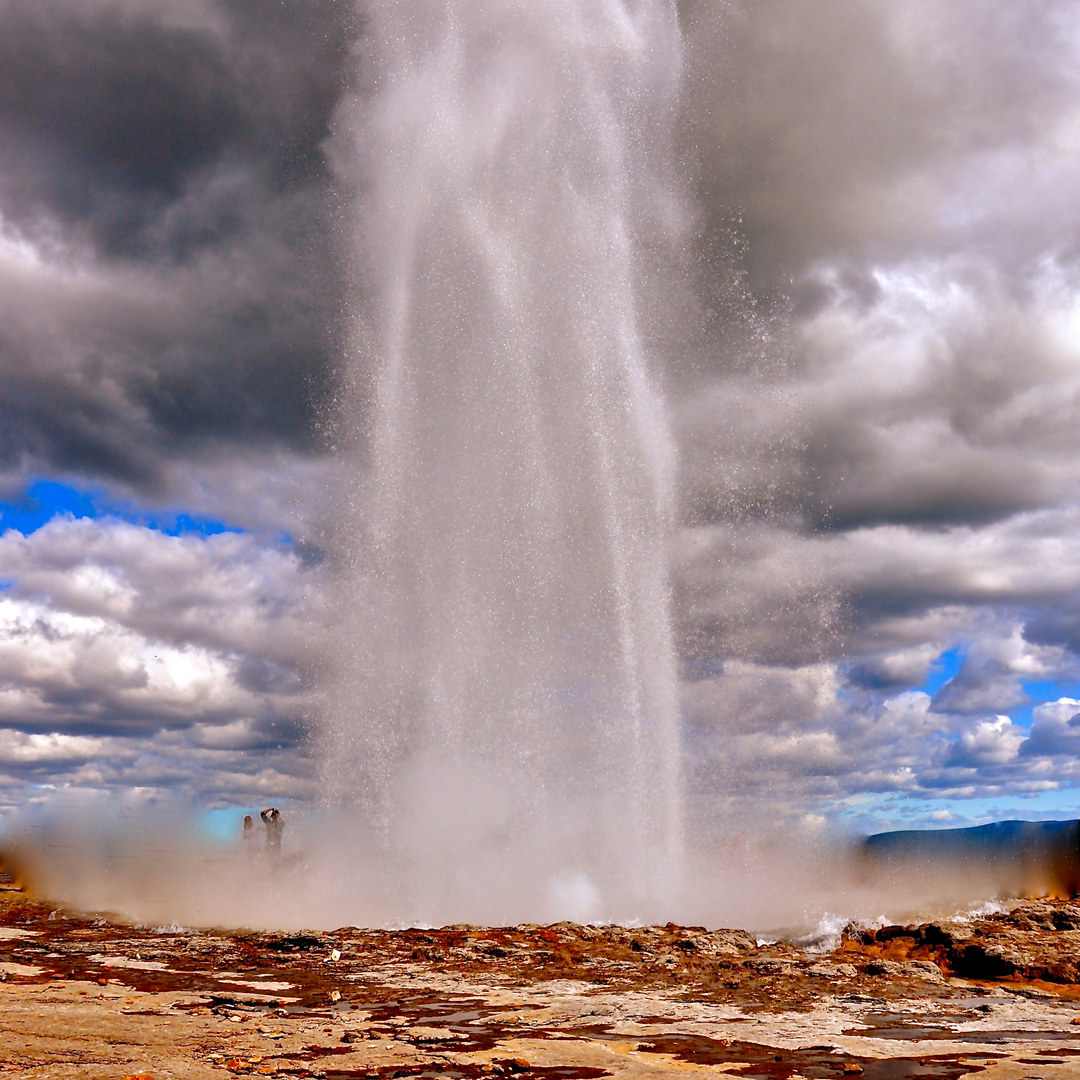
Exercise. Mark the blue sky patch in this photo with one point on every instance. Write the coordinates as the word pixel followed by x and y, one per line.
pixel 944 668
pixel 44 500
pixel 898 810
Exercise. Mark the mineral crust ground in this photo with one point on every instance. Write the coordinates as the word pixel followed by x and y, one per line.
pixel 89 997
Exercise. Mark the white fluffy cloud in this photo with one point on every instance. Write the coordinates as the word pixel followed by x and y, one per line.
pixel 1055 729
pixel 229 592
pixel 130 657
pixel 902 596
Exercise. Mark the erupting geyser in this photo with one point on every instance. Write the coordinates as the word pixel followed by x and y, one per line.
pixel 504 715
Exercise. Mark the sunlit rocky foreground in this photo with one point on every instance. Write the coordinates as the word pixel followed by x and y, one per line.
pixel 83 996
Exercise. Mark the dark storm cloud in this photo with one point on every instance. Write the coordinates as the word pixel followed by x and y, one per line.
pixel 904 177
pixel 880 452
pixel 108 115
pixel 163 164
pixel 838 129
pixel 173 154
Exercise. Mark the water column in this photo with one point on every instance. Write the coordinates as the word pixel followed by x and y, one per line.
pixel 503 714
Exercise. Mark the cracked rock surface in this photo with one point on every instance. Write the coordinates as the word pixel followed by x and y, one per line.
pixel 996 997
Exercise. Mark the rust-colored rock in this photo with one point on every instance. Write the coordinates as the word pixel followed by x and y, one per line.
pixel 84 996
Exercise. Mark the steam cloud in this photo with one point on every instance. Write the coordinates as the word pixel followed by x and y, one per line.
pixel 874 394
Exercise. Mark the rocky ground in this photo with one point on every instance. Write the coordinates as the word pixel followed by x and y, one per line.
pixel 87 997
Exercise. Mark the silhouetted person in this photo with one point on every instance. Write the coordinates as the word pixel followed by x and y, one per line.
pixel 249 836
pixel 275 826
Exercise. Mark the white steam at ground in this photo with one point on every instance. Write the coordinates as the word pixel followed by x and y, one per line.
pixel 157 868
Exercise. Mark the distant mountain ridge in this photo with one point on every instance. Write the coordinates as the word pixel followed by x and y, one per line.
pixel 1028 857
pixel 997 836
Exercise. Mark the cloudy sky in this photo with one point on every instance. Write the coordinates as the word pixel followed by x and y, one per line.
pixel 877 567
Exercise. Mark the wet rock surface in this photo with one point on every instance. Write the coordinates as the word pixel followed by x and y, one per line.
pixel 1037 941
pixel 997 996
